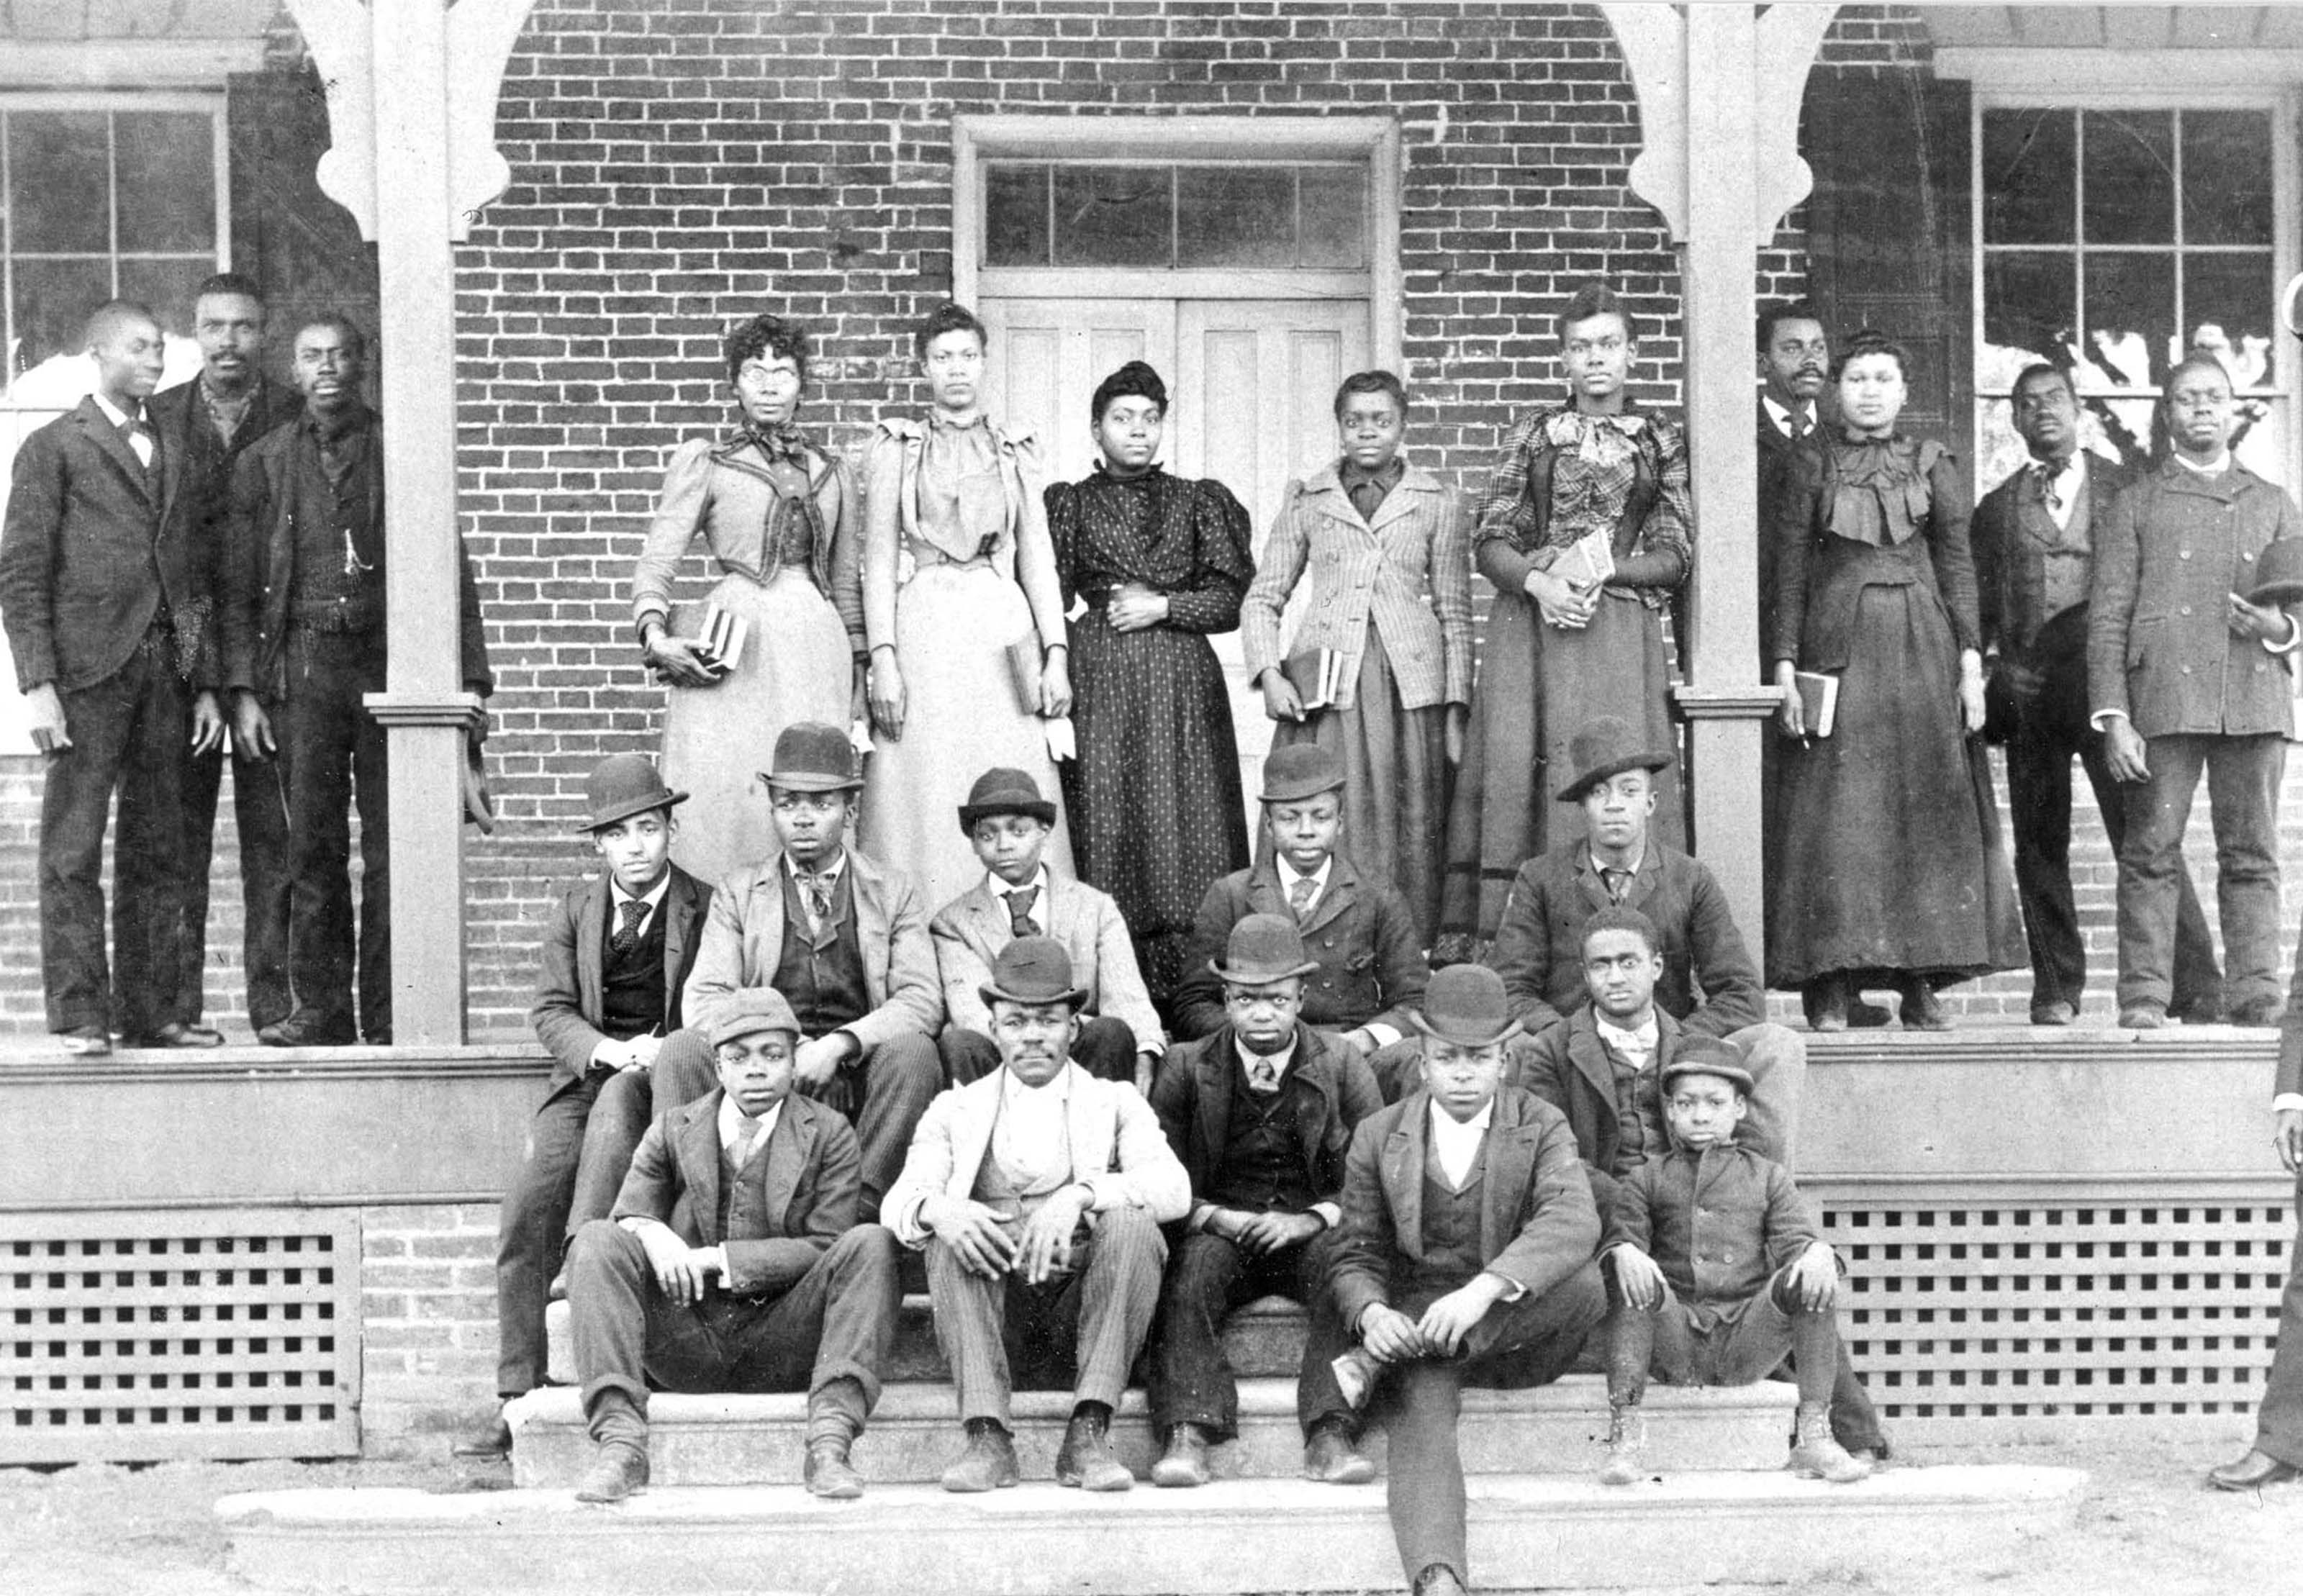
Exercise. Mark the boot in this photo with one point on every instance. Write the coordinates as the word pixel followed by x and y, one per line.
pixel 1086 1459
pixel 1185 1462
pixel 1816 1456
pixel 988 1463
pixel 1627 1445
pixel 1330 1457
pixel 1824 999
pixel 1922 1010
pixel 827 1472
pixel 617 1471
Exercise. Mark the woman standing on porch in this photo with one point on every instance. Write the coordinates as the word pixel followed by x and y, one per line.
pixel 1891 859
pixel 779 517
pixel 1585 531
pixel 1162 562
pixel 959 582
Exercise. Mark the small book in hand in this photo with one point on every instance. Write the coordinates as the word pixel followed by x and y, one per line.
pixel 1316 674
pixel 1818 701
pixel 721 643
pixel 1588 561
pixel 1024 663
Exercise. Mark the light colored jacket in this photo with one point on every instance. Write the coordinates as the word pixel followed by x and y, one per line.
pixel 970 931
pixel 1379 572
pixel 1119 1152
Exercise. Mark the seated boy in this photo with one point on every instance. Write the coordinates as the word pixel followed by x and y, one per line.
pixel 1356 926
pixel 1009 823
pixel 1718 1270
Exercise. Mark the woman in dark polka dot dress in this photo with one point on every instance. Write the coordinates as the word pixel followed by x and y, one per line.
pixel 1154 795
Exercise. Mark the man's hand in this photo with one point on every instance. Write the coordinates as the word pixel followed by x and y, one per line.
pixel 1281 701
pixel 885 690
pixel 817 1061
pixel 2123 750
pixel 1791 714
pixel 973 1231
pixel 1971 706
pixel 2287 1135
pixel 675 659
pixel 1360 1040
pixel 681 1270
pixel 208 723
pixel 1815 1278
pixel 1136 609
pixel 1390 1335
pixel 642 1051
pixel 47 709
pixel 251 728
pixel 1447 1322
pixel 1263 1233
pixel 1638 1278
pixel 1458 726
pixel 1056 685
pixel 1561 602
pixel 1046 1246
pixel 2263 622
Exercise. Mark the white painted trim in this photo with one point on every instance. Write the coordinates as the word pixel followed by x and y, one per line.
pixel 127 63
pixel 1223 282
pixel 2032 72
pixel 1172 138
pixel 1387 289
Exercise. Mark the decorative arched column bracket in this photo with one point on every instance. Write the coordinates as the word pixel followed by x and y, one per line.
pixel 342 34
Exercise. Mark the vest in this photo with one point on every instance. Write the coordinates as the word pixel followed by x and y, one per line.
pixel 1451 1227
pixel 1639 1110
pixel 2064 574
pixel 744 1195
pixel 631 984
pixel 329 514
pixel 1263 1168
pixel 823 982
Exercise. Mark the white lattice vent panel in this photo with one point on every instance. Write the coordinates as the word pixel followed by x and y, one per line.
pixel 1994 1318
pixel 221 1334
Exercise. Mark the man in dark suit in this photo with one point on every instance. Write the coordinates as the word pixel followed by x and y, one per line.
pixel 2034 541
pixel 207 424
pixel 303 621
pixel 109 615
pixel 734 1262
pixel 1260 1114
pixel 1465 1256
pixel 1357 927
pixel 616 952
pixel 2187 673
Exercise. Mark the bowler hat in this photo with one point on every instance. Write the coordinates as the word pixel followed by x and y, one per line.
pixel 812 757
pixel 1262 948
pixel 1033 969
pixel 1300 770
pixel 1003 791
pixel 749 1009
pixel 1465 1004
pixel 1605 746
pixel 623 785
pixel 1706 1055
pixel 2279 574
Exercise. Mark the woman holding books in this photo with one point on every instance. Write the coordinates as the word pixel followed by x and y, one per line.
pixel 778 638
pixel 1585 531
pixel 1377 673
pixel 963 616
pixel 1162 562
pixel 1891 871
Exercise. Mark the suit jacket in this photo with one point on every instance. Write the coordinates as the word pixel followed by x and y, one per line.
pixel 744 942
pixel 1569 1068
pixel 1362 933
pixel 183 424
pixel 1363 570
pixel 1117 1150
pixel 1710 982
pixel 82 569
pixel 2011 557
pixel 1537 1225
pixel 260 554
pixel 569 1002
pixel 1719 1222
pixel 2172 548
pixel 1192 1095
pixel 969 932
pixel 812 1172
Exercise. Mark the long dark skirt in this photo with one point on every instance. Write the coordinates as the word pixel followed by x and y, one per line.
pixel 1888 855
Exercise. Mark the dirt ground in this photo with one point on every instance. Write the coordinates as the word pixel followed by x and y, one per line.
pixel 2148 1527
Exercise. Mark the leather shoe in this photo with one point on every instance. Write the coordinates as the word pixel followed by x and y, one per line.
pixel 989 1463
pixel 2252 1472
pixel 1330 1458
pixel 2257 1012
pixel 1438 1580
pixel 88 1042
pixel 1862 1015
pixel 2143 1017
pixel 1824 999
pixel 305 1029
pixel 491 1439
pixel 827 1472
pixel 1922 1010
pixel 1086 1459
pixel 616 1473
pixel 2054 1012
pixel 177 1034
pixel 1185 1461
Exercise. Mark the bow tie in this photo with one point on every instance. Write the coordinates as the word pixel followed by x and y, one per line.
pixel 1592 436
pixel 2047 473
pixel 782 441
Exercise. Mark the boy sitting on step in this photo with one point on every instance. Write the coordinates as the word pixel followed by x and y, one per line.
pixel 1718 1271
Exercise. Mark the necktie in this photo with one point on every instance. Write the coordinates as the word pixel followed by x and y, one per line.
pixel 747 1140
pixel 1617 882
pixel 1263 1077
pixel 1802 423
pixel 1019 911
pixel 818 892
pixel 627 935
pixel 1300 895
pixel 2046 472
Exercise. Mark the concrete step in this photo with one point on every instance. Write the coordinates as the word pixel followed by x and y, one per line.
pixel 757 1440
pixel 1240 1535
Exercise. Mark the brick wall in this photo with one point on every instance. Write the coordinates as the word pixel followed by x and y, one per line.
pixel 428 1307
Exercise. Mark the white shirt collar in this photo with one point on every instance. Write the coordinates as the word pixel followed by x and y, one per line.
pixel 113 413
pixel 999 889
pixel 654 895
pixel 1629 869
pixel 1781 414
pixel 1053 1089
pixel 1640 1036
pixel 1289 875
pixel 1279 1060
pixel 732 1123
pixel 831 871
pixel 2213 468
pixel 1456 1144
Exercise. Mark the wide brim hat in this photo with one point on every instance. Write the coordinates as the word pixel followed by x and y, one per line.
pixel 2279 574
pixel 1004 792
pixel 623 785
pixel 1298 772
pixel 1033 969
pixel 1465 1004
pixel 749 1009
pixel 1605 746
pixel 1706 1055
pixel 812 757
pixel 479 802
pixel 1262 948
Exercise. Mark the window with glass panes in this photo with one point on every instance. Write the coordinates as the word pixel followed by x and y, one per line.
pixel 1175 216
pixel 2116 241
